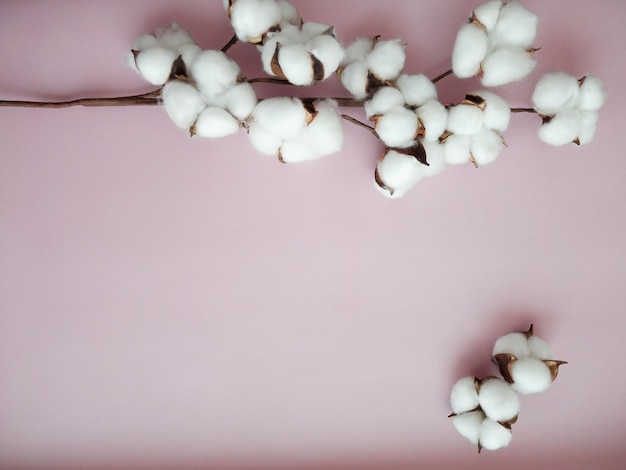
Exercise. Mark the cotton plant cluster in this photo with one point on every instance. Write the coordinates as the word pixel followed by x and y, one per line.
pixel 484 410
pixel 206 93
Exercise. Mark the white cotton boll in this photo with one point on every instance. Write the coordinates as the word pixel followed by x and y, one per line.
pixel 145 41
pixel 399 172
pixel 498 400
pixel 469 424
pixel 497 113
pixel 493 435
pixel 488 13
pixel 385 99
pixel 281 116
pixel 251 19
pixel 457 149
pixel 554 92
pixel 416 89
pixel 470 48
pixel 436 157
pixel 328 51
pixel 214 72
pixel 387 58
pixel 397 128
pixel 288 12
pixel 357 50
pixel 215 122
pixel 506 66
pixel 240 100
pixel 516 26
pixel 593 94
pixel 173 36
pixel 323 136
pixel 182 102
pixel 434 117
pixel 155 64
pixel 354 79
pixel 530 375
pixel 264 141
pixel 309 30
pixel 465 119
pixel 464 396
pixel 588 125
pixel 513 343
pixel 296 63
pixel 562 129
pixel 486 147
pixel 539 349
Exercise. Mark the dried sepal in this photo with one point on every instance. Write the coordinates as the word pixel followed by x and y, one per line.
pixel 554 367
pixel 503 361
pixel 416 151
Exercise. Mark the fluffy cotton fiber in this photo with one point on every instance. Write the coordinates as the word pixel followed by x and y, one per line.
pixel 464 396
pixel 182 102
pixel 498 400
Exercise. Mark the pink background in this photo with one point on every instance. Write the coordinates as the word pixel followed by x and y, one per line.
pixel 167 302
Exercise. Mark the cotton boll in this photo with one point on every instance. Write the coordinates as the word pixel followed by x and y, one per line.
pixel 436 157
pixel 387 58
pixel 281 116
pixel 470 48
pixel 433 116
pixel 488 13
pixel 506 66
pixel 497 112
pixel 296 64
pixel 145 41
pixel 562 129
pixel 189 53
pixel 399 172
pixel 182 102
pixel 469 425
pixel 328 51
pixel 416 89
pixel 516 26
pixel 397 128
pixel 464 396
pixel 530 375
pixel 555 92
pixel 215 122
pixel 251 19
pixel 214 72
pixel 539 349
pixel 486 146
pixel 457 149
pixel 588 125
pixel 593 94
pixel 513 343
pixel 385 99
pixel 493 435
pixel 240 100
pixel 498 400
pixel 357 50
pixel 323 136
pixel 155 64
pixel 173 36
pixel 465 119
pixel 263 141
pixel 354 79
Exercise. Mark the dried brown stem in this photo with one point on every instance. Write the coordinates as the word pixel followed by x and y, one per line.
pixel 359 123
pixel 523 110
pixel 146 99
pixel 441 76
pixel 275 81
pixel 230 43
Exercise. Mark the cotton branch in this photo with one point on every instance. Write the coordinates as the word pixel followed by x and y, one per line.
pixel 146 99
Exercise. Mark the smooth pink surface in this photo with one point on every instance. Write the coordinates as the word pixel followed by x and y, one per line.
pixel 167 302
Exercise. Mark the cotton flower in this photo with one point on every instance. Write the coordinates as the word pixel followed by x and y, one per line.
pixel 496 44
pixel 526 362
pixel 569 107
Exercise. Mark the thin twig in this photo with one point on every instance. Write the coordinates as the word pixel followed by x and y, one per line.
pixel 146 99
pixel 359 123
pixel 442 76
pixel 230 43
pixel 523 110
pixel 341 102
pixel 275 81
